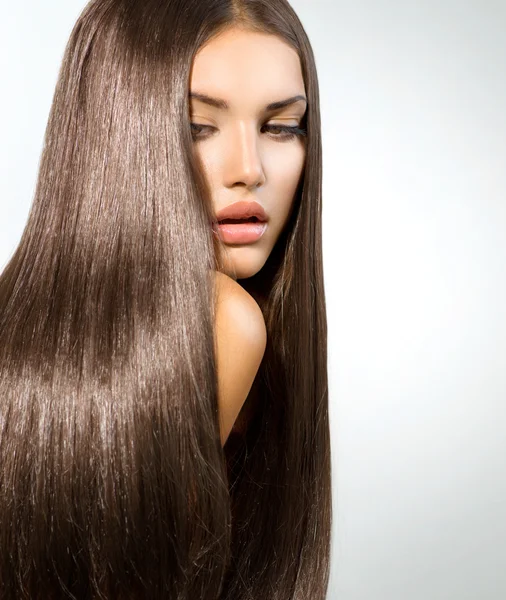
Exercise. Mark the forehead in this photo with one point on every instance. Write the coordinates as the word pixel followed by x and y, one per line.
pixel 247 68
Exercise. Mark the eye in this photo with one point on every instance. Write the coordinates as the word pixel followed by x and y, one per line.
pixel 196 129
pixel 287 132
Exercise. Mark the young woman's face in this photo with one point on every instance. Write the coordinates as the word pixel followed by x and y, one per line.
pixel 246 153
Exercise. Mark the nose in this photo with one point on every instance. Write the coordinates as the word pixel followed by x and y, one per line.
pixel 244 162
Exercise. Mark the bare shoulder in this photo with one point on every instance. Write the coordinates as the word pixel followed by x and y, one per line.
pixel 237 311
pixel 241 338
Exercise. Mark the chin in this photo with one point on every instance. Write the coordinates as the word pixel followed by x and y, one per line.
pixel 242 267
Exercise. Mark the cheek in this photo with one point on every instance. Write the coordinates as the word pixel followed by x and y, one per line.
pixel 288 156
pixel 283 167
pixel 285 172
pixel 206 159
pixel 286 165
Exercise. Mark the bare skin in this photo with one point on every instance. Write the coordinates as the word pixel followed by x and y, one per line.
pixel 240 342
pixel 246 156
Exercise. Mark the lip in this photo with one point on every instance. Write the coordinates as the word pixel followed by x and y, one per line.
pixel 242 210
pixel 240 233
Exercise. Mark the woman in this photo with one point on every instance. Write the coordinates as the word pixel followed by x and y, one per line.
pixel 123 309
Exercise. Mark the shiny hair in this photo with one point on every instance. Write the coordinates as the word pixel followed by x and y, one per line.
pixel 113 480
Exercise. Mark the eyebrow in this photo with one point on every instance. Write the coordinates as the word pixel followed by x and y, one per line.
pixel 224 105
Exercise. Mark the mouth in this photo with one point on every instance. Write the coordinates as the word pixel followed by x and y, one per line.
pixel 241 212
pixel 239 221
pixel 240 231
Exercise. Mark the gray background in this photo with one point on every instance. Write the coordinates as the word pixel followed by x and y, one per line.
pixel 414 128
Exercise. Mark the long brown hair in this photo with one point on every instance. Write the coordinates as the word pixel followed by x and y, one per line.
pixel 113 481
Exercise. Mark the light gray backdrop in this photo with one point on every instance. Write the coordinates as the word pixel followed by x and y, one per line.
pixel 414 127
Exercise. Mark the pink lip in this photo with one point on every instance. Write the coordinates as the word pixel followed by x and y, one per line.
pixel 242 210
pixel 239 233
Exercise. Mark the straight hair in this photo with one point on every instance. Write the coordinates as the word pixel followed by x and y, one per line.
pixel 113 480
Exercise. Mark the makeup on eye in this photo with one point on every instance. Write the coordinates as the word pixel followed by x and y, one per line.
pixel 288 132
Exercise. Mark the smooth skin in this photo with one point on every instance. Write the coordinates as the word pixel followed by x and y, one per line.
pixel 246 156
pixel 240 342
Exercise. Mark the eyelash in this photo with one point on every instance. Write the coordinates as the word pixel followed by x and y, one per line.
pixel 289 133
